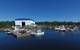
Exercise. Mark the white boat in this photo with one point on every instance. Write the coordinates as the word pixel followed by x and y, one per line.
pixel 38 33
pixel 64 28
pixel 72 29
pixel 60 28
pixel 57 28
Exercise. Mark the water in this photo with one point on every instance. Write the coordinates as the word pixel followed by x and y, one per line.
pixel 51 40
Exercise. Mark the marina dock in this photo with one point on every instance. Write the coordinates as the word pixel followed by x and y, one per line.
pixel 23 28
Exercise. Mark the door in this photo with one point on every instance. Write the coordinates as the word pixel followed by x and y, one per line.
pixel 23 24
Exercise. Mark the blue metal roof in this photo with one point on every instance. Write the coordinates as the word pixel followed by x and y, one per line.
pixel 22 19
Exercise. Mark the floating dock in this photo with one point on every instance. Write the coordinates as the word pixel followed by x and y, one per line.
pixel 25 33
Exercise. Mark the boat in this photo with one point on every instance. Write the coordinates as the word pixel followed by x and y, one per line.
pixel 60 28
pixel 64 28
pixel 37 33
pixel 72 28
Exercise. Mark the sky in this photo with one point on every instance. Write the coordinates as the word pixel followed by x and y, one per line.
pixel 40 10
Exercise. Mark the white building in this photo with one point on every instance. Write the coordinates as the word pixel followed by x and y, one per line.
pixel 21 22
pixel 26 27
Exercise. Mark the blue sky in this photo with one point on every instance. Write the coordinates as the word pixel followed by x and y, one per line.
pixel 40 10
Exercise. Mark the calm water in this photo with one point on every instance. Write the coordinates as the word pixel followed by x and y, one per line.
pixel 51 40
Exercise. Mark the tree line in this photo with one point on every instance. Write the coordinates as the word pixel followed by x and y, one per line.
pixel 9 24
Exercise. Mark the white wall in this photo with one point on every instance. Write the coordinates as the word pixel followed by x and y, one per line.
pixel 18 23
pixel 27 22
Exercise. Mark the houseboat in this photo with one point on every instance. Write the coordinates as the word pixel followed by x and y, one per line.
pixel 25 27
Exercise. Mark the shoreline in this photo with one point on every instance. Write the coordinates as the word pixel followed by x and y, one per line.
pixel 42 27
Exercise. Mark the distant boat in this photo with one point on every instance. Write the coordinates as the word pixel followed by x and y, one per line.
pixel 72 28
pixel 37 33
pixel 60 28
pixel 64 28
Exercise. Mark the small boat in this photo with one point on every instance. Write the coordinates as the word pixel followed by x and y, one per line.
pixel 37 33
pixel 72 28
pixel 64 28
pixel 60 28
